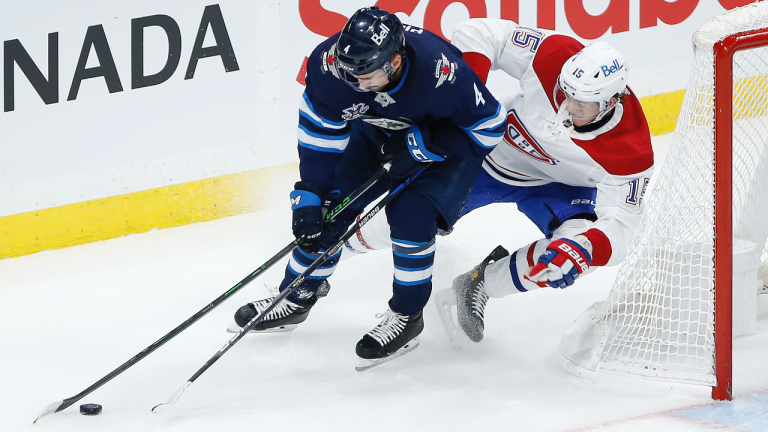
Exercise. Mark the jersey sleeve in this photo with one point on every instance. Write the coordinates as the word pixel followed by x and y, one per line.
pixel 322 138
pixel 619 208
pixel 497 44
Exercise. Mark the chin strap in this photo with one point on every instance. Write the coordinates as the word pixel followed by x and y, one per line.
pixel 603 113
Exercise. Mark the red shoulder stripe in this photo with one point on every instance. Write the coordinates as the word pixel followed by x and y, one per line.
pixel 479 63
pixel 625 149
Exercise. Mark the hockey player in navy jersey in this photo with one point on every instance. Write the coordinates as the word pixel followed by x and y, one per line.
pixel 576 158
pixel 380 91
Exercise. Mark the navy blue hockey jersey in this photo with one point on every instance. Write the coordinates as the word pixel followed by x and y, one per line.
pixel 436 87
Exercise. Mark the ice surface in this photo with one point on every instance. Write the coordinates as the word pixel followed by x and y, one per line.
pixel 71 316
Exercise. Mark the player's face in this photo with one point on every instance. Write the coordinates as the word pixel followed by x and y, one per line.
pixel 582 113
pixel 374 81
pixel 378 80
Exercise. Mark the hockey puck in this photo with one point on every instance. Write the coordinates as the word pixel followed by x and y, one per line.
pixel 90 409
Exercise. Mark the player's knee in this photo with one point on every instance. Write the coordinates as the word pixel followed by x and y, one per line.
pixel 412 216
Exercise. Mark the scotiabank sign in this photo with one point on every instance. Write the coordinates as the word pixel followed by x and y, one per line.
pixel 654 35
pixel 614 19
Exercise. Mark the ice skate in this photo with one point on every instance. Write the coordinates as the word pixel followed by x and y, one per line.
pixel 445 301
pixel 395 336
pixel 469 298
pixel 286 316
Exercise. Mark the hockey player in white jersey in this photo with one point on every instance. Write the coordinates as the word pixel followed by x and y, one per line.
pixel 576 158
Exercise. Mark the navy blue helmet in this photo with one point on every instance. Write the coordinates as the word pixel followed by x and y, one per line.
pixel 367 43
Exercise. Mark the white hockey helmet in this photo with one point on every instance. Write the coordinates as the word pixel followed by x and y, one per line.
pixel 595 74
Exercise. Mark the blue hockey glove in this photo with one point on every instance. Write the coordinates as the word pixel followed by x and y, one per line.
pixel 560 265
pixel 418 149
pixel 307 214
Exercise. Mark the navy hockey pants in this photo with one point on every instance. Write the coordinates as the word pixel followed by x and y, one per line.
pixel 548 206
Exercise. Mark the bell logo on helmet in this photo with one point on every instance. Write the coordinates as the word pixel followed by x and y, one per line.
pixel 379 38
pixel 614 67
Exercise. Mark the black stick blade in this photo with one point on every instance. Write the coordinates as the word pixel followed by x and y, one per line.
pixel 50 409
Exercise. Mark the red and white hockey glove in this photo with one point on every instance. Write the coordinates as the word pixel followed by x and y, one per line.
pixel 560 265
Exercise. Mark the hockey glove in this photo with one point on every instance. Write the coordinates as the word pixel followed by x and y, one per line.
pixel 418 149
pixel 333 229
pixel 307 214
pixel 560 265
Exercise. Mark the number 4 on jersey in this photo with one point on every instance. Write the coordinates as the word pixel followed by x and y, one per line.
pixel 478 96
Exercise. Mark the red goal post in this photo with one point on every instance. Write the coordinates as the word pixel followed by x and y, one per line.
pixel 669 314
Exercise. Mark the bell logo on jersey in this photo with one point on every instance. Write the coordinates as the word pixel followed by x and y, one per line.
pixel 518 137
pixel 355 111
pixel 445 71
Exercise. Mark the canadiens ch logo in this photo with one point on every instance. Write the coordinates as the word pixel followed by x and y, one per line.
pixel 518 137
pixel 355 111
pixel 445 71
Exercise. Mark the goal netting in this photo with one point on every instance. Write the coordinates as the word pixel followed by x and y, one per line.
pixel 661 320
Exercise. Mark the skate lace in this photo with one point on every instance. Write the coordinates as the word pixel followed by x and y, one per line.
pixel 389 328
pixel 283 309
pixel 479 300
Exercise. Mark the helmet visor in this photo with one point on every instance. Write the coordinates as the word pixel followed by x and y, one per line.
pixel 578 110
pixel 371 82
pixel 350 80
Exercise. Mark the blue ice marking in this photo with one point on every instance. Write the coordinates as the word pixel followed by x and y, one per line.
pixel 748 414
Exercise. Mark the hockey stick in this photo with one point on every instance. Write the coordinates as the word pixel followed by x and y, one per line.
pixel 288 290
pixel 329 217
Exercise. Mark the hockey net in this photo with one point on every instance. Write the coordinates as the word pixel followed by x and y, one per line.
pixel 668 315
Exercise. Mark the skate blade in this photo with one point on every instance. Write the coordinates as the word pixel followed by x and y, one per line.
pixel 234 328
pixel 445 301
pixel 365 364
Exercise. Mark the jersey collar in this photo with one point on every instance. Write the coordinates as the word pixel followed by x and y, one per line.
pixel 592 130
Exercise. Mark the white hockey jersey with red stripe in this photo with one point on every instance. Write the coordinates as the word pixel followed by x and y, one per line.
pixel 616 157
